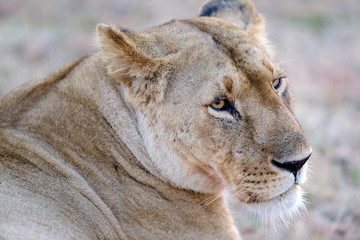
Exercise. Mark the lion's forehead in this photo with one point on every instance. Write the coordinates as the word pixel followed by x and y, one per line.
pixel 195 45
pixel 181 36
pixel 218 64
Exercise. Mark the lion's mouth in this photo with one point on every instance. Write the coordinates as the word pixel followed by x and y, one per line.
pixel 279 197
pixel 288 191
pixel 295 186
pixel 279 209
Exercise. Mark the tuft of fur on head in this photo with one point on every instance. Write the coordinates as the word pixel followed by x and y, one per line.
pixel 280 211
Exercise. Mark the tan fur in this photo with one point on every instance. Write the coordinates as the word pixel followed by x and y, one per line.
pixel 124 143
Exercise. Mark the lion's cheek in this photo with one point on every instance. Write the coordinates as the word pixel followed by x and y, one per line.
pixel 212 176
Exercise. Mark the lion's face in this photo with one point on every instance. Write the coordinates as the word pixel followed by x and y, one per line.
pixel 228 123
pixel 215 111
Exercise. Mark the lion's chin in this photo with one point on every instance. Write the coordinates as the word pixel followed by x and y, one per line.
pixel 280 210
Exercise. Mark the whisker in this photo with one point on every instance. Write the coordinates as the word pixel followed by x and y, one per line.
pixel 219 196
pixel 209 199
pixel 240 191
pixel 214 197
pixel 251 196
pixel 287 61
pixel 234 187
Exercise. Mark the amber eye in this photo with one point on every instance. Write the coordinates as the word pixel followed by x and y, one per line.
pixel 224 105
pixel 221 105
pixel 277 83
pixel 218 104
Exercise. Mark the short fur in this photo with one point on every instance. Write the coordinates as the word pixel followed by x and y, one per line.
pixel 124 143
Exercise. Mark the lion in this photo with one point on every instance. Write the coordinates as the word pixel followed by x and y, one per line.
pixel 142 138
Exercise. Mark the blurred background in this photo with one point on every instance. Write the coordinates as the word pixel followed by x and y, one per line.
pixel 317 42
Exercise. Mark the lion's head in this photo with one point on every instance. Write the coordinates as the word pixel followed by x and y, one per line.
pixel 214 109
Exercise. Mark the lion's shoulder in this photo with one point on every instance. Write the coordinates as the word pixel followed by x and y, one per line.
pixel 26 97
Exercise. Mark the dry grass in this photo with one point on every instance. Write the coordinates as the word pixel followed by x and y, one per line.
pixel 317 41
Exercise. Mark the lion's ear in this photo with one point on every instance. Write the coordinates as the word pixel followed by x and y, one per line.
pixel 240 12
pixel 145 77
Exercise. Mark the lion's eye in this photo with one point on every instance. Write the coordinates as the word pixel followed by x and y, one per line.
pixel 218 104
pixel 224 105
pixel 221 104
pixel 277 83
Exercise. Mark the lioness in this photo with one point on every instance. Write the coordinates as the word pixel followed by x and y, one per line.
pixel 140 139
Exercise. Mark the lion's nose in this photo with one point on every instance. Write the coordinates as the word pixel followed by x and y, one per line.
pixel 291 166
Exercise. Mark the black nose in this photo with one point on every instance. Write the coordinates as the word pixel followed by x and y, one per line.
pixel 291 166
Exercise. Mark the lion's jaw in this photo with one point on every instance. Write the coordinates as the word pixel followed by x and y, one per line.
pixel 170 167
